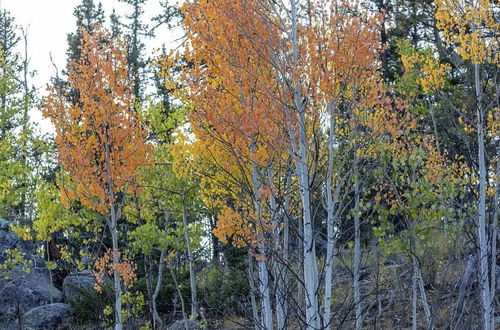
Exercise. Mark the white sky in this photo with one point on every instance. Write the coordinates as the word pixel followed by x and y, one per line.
pixel 48 23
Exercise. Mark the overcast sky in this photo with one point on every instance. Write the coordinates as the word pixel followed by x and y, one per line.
pixel 49 21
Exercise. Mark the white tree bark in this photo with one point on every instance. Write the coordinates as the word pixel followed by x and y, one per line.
pixel 331 202
pixel 251 281
pixel 158 323
pixel 279 295
pixel 423 295
pixel 418 285
pixel 116 275
pixel 414 298
pixel 494 237
pixel 267 312
pixel 357 254
pixel 481 225
pixel 494 233
pixel 114 239
pixel 192 275
pixel 302 169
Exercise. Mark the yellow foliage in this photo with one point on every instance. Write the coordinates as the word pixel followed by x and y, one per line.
pixel 472 26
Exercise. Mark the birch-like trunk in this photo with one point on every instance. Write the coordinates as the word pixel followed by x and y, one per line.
pixel 114 238
pixel 302 169
pixel 116 275
pixel 148 270
pixel 286 241
pixel 419 282
pixel 280 295
pixel 279 292
pixel 423 295
pixel 253 300
pixel 481 225
pixel 157 321
pixel 181 298
pixel 357 254
pixel 414 298
pixel 310 263
pixel 434 124
pixel 494 237
pixel 462 292
pixel 330 225
pixel 192 275
pixel 267 312
pixel 418 285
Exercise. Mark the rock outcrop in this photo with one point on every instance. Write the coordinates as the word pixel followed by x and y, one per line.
pixel 22 291
pixel 76 284
pixel 48 317
pixel 184 324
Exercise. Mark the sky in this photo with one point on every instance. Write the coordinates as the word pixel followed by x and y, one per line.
pixel 49 21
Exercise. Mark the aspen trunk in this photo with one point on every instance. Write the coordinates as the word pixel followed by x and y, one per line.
pixel 192 275
pixel 425 300
pixel 419 282
pixel 481 225
pixel 279 294
pixel 414 298
pixel 116 275
pixel 494 237
pixel 114 238
pixel 157 321
pixel 181 298
pixel 357 255
pixel 434 124
pixel 251 281
pixel 419 286
pixel 330 227
pixel 302 169
pixel 310 263
pixel 280 297
pixel 148 269
pixel 462 292
pixel 267 312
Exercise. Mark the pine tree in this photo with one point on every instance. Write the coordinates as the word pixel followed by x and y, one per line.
pixel 87 15
pixel 136 30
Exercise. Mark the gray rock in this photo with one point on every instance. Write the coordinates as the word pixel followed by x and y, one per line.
pixel 22 291
pixel 181 325
pixel 9 240
pixel 76 284
pixel 497 276
pixel 4 224
pixel 48 317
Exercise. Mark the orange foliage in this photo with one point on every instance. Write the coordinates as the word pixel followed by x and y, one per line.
pixel 235 85
pixel 104 267
pixel 234 117
pixel 100 139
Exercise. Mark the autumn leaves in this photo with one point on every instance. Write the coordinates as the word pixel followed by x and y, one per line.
pixel 100 138
pixel 292 134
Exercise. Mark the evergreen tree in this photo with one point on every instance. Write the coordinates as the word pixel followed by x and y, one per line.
pixel 22 149
pixel 8 41
pixel 87 14
pixel 136 31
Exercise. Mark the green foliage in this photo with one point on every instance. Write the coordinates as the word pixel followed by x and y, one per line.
pixel 14 258
pixel 23 151
pixel 163 122
pixel 52 215
pixel 13 171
